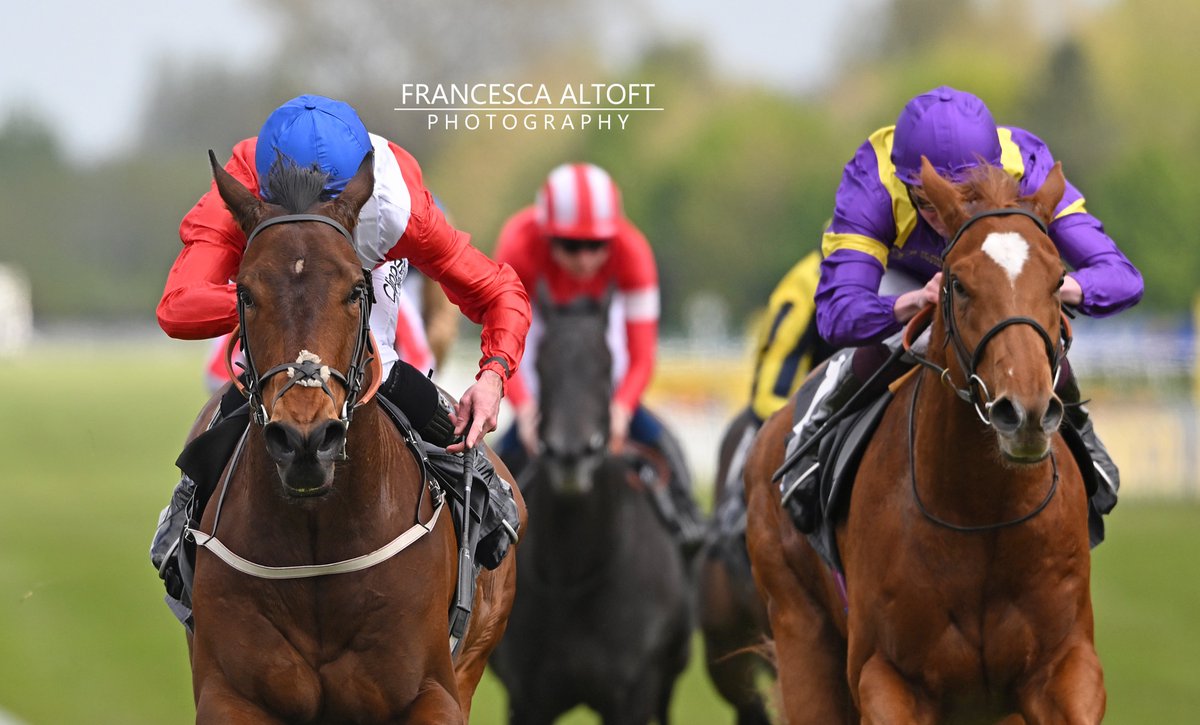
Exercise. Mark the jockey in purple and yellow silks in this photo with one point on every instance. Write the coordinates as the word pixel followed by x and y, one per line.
pixel 883 257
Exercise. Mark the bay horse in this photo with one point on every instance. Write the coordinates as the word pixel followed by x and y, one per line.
pixel 965 542
pixel 366 638
pixel 603 609
pixel 732 617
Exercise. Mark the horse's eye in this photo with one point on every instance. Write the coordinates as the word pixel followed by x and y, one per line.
pixel 958 287
pixel 1061 280
pixel 246 298
pixel 355 294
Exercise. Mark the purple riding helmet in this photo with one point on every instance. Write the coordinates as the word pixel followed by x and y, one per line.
pixel 952 128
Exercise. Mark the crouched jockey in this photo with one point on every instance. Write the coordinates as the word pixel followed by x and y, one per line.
pixel 883 265
pixel 573 242
pixel 400 221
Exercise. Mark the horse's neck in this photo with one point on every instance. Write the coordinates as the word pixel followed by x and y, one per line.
pixel 361 508
pixel 587 528
pixel 959 467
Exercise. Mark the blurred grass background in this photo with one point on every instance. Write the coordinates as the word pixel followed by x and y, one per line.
pixel 88 438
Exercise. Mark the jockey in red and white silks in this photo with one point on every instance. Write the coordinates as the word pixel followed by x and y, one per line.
pixel 575 241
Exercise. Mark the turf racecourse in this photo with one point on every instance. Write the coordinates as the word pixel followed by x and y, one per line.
pixel 87 440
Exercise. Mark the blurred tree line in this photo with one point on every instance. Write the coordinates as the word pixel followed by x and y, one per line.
pixel 732 182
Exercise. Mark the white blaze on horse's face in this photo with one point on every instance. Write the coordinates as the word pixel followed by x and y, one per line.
pixel 1010 251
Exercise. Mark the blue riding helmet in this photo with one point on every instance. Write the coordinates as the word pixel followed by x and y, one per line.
pixel 952 128
pixel 312 129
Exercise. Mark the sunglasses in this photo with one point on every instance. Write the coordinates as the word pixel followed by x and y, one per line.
pixel 575 246
pixel 918 200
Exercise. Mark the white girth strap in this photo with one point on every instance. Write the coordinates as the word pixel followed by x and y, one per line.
pixel 358 563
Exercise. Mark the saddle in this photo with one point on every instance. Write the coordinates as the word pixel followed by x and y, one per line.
pixel 840 452
pixel 648 470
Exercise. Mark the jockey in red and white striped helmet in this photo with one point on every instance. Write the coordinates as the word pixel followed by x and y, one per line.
pixel 579 201
pixel 575 241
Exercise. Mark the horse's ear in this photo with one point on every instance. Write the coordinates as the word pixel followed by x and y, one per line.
pixel 345 208
pixel 247 209
pixel 1045 200
pixel 944 196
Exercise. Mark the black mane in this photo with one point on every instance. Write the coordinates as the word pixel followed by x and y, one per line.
pixel 295 188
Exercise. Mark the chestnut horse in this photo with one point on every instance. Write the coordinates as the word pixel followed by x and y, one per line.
pixel 965 544
pixel 320 625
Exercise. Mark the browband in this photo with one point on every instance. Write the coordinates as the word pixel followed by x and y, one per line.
pixel 300 218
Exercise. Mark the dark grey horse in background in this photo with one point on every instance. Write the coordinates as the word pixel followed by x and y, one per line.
pixel 603 609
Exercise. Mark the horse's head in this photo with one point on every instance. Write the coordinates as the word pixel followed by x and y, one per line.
pixel 1000 307
pixel 575 376
pixel 304 305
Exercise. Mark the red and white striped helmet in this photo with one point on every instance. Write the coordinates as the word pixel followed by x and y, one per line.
pixel 579 201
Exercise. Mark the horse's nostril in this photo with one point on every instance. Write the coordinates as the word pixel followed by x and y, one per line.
pixel 1054 415
pixel 1006 415
pixel 282 442
pixel 327 439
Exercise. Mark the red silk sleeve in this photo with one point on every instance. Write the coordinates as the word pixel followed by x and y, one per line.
pixel 199 300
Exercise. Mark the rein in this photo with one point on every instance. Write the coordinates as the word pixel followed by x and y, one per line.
pixel 912 463
pixel 976 391
pixel 307 370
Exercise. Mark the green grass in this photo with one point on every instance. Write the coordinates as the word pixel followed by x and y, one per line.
pixel 87 443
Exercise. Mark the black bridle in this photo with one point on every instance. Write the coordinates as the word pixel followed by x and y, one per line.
pixel 969 361
pixel 975 391
pixel 308 371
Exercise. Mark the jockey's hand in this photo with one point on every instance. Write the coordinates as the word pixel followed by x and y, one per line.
pixel 1071 293
pixel 910 303
pixel 619 417
pixel 479 406
pixel 527 426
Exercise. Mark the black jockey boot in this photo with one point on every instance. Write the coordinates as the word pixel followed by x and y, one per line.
pixel 800 484
pixel 422 403
pixel 676 505
pixel 168 537
pixel 1108 481
pixel 187 503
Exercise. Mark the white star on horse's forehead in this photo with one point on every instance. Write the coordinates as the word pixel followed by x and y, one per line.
pixel 299 267
pixel 1009 250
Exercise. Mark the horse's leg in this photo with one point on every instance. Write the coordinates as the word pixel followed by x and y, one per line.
pixel 434 705
pixel 884 696
pixel 810 653
pixel 493 602
pixel 731 638
pixel 1072 692
pixel 541 710
pixel 734 668
pixel 637 703
pixel 812 673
